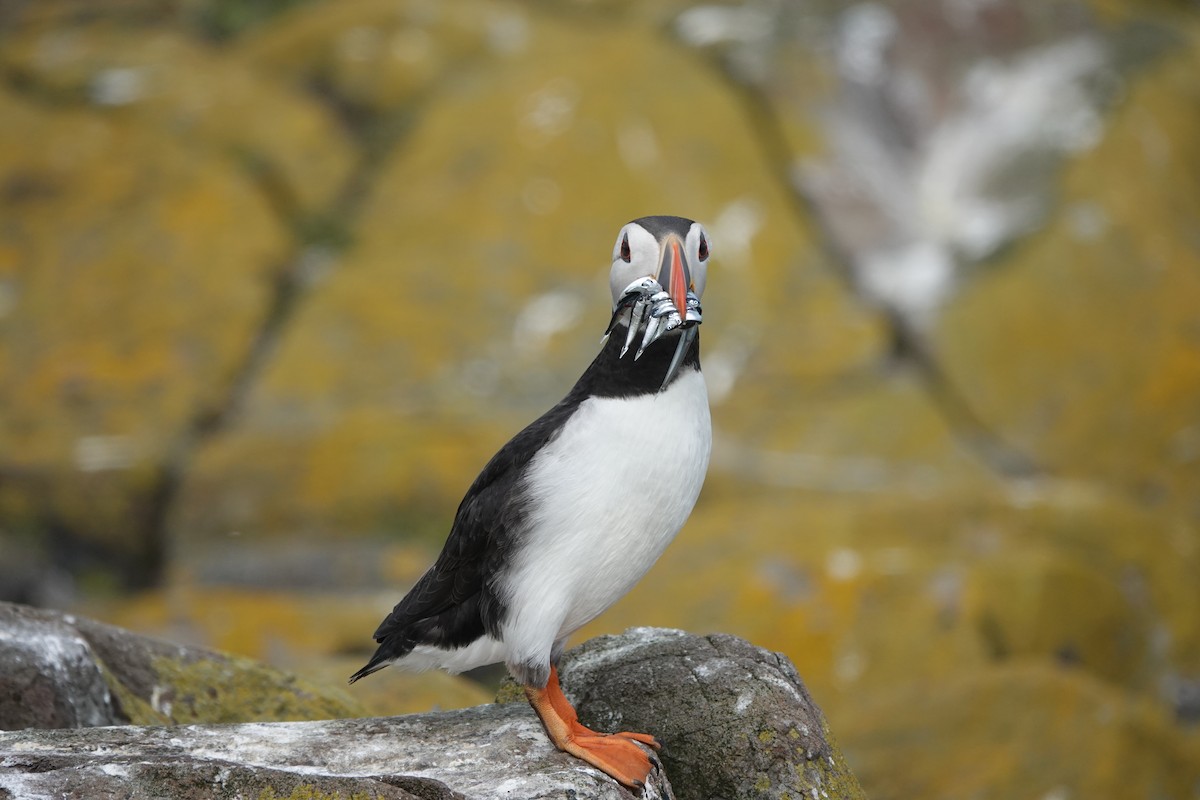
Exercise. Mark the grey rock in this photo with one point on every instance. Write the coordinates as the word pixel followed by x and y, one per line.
pixel 40 654
pixel 734 720
pixel 186 779
pixel 482 753
pixel 62 671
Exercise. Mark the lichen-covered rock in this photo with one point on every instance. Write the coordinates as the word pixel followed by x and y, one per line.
pixel 58 671
pixel 378 54
pixel 191 92
pixel 1059 609
pixel 1065 734
pixel 125 310
pixel 734 720
pixel 319 633
pixel 121 233
pixel 1081 347
pixel 906 587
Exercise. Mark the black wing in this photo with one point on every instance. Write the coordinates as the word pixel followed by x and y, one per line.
pixel 458 600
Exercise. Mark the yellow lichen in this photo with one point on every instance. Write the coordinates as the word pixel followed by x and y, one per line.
pixel 307 792
pixel 241 690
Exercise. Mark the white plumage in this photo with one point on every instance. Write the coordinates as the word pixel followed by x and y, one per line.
pixel 602 513
pixel 609 493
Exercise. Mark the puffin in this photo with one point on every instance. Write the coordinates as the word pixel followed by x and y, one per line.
pixel 574 509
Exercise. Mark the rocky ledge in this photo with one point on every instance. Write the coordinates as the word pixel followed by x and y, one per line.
pixel 735 721
pixel 65 671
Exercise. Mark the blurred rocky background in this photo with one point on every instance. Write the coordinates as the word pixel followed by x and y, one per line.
pixel 277 277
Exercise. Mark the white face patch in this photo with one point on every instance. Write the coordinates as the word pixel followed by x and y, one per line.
pixel 698 248
pixel 638 254
pixel 635 255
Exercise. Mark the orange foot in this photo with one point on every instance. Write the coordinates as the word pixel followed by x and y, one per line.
pixel 614 754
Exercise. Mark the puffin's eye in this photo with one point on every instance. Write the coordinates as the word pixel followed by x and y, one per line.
pixel 703 252
pixel 626 256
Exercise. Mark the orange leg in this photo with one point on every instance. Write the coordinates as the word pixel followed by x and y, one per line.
pixel 615 754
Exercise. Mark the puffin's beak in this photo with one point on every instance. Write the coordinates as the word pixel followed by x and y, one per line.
pixel 674 274
pixel 661 304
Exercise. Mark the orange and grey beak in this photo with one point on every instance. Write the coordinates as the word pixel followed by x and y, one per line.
pixel 674 274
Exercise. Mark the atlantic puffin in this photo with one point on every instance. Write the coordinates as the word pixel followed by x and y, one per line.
pixel 575 508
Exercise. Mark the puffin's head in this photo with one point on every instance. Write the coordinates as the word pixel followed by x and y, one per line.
pixel 671 250
pixel 659 267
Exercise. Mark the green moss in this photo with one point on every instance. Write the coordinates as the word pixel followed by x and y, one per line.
pixel 766 736
pixel 241 690
pixel 832 774
pixel 136 709
pixel 510 691
pixel 762 784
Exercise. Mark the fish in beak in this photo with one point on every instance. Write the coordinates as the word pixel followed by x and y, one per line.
pixel 655 284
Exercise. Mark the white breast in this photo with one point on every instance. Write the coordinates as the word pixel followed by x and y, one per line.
pixel 609 493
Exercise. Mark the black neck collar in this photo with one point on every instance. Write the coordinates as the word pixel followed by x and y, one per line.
pixel 610 375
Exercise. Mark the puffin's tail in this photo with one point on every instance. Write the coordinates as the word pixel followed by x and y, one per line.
pixel 394 645
pixel 378 661
pixel 414 620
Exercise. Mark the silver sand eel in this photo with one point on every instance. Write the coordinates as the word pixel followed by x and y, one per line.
pixel 648 304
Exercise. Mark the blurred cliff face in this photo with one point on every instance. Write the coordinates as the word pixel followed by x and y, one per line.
pixel 276 281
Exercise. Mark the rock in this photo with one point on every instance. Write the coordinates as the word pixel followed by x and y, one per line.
pixel 49 674
pixel 734 720
pixel 59 671
pixel 376 55
pixel 320 633
pixel 379 55
pixel 1061 610
pixel 182 778
pixel 478 753
pixel 1049 717
pixel 193 93
pixel 1081 346
pixel 126 308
